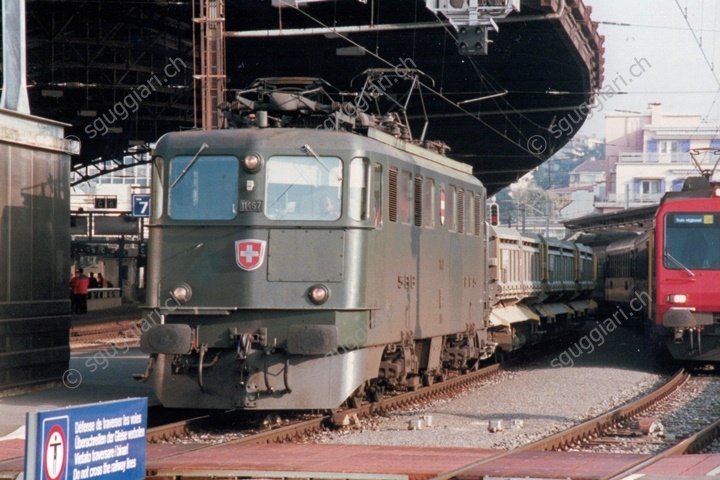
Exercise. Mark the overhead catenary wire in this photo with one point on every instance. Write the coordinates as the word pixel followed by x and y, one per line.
pixel 429 88
pixel 709 63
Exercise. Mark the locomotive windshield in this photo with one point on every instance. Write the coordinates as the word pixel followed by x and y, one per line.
pixel 203 189
pixel 692 240
pixel 303 188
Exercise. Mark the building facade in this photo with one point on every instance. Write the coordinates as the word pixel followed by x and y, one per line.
pixel 652 153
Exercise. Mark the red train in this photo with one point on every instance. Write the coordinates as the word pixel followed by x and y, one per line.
pixel 669 277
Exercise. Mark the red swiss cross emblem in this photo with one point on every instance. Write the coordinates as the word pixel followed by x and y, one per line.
pixel 250 253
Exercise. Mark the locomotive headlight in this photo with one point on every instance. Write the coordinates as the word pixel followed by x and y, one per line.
pixel 677 298
pixel 252 162
pixel 716 192
pixel 182 293
pixel 318 294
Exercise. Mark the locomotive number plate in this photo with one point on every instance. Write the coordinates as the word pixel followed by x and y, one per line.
pixel 250 206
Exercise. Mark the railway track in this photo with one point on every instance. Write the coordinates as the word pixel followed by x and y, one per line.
pixel 99 335
pixel 299 429
pixel 586 431
pixel 567 440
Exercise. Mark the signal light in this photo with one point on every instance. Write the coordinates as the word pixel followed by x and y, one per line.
pixel 494 214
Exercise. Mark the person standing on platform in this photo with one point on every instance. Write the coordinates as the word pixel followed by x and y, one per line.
pixel 94 281
pixel 80 284
pixel 101 281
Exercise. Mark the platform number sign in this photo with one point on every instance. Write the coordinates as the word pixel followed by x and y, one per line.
pixel 140 205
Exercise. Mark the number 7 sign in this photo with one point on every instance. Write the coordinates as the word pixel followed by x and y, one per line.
pixel 140 205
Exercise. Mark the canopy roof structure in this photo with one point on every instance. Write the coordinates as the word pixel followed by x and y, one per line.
pixel 121 74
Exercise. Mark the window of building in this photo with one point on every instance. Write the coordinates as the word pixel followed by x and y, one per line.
pixel 644 187
pixel 649 187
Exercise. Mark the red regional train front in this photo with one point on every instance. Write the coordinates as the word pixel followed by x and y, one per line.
pixel 687 272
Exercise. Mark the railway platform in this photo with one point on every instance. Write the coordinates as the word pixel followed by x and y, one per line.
pixel 93 376
pixel 275 461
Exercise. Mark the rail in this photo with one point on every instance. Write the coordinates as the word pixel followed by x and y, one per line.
pixel 693 444
pixel 289 432
pixel 585 430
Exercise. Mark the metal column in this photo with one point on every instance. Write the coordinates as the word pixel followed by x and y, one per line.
pixel 211 74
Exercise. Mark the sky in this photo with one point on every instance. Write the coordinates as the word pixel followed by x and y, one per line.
pixel 655 34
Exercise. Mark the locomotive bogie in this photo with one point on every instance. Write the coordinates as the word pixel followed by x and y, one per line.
pixel 264 381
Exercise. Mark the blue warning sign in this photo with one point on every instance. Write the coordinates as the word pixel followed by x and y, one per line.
pixel 102 440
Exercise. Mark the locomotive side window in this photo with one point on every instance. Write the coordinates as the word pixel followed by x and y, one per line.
pixel 303 188
pixel 450 208
pixel 405 195
pixel 469 213
pixel 358 198
pixel 692 241
pixel 377 195
pixel 203 188
pixel 428 203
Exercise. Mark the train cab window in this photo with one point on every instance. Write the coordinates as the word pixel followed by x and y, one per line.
pixel 203 187
pixel 692 241
pixel 358 185
pixel 303 188
pixel 428 203
pixel 450 208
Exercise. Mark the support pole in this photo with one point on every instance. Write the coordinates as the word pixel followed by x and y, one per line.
pixel 14 94
pixel 211 75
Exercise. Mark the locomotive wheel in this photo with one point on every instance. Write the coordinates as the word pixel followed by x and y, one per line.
pixel 428 379
pixel 375 394
pixel 356 399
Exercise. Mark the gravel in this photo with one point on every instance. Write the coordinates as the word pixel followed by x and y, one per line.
pixel 532 401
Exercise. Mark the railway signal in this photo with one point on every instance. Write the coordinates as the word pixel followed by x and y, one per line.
pixel 494 214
